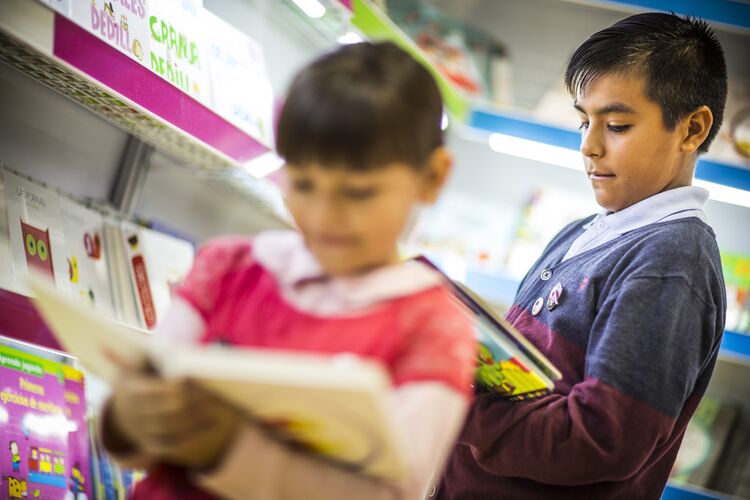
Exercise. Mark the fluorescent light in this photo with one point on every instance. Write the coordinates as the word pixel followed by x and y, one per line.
pixel 444 122
pixel 312 8
pixel 350 37
pixel 569 158
pixel 538 151
pixel 264 164
pixel 725 194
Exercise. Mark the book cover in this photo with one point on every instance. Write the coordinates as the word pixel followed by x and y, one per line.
pixel 44 434
pixel 333 405
pixel 156 264
pixel 122 25
pixel 35 231
pixel 507 363
pixel 240 89
pixel 705 438
pixel 87 275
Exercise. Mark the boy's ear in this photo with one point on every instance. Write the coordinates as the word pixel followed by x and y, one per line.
pixel 697 125
pixel 439 166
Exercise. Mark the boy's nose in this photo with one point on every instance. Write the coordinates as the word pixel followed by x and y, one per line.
pixel 590 146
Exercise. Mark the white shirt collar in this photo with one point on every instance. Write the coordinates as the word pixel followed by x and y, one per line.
pixel 654 209
pixel 284 254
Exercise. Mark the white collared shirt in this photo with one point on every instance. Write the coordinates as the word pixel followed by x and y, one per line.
pixel 678 203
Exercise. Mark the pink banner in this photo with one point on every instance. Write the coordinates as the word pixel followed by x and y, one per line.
pixel 84 51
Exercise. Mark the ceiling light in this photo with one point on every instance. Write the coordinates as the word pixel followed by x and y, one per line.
pixel 264 164
pixel 725 194
pixel 350 37
pixel 312 8
pixel 538 151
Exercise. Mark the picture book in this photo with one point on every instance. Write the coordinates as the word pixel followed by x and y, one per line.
pixel 44 452
pixel 507 362
pixel 35 232
pixel 156 263
pixel 334 405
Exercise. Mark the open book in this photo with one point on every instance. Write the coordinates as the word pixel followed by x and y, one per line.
pixel 334 405
pixel 507 363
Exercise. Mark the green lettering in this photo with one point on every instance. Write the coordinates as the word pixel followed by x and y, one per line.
pixel 164 32
pixel 154 63
pixel 152 22
pixel 193 53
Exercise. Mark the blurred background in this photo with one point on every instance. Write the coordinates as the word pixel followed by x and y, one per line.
pixel 78 117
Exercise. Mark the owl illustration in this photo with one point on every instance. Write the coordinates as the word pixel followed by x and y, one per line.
pixel 36 245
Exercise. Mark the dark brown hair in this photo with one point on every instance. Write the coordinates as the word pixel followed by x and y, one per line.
pixel 361 106
pixel 680 58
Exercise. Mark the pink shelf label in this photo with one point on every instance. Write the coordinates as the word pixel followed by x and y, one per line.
pixel 115 70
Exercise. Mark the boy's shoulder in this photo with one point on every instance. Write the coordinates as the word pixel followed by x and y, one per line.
pixel 675 240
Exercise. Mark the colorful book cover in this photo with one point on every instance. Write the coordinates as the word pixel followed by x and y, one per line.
pixel 705 438
pixel 45 438
pixel 178 51
pixel 35 231
pixel 240 89
pixel 157 263
pixel 737 279
pixel 507 363
pixel 87 274
pixel 123 25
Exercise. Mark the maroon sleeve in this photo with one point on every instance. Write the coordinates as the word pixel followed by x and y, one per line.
pixel 593 434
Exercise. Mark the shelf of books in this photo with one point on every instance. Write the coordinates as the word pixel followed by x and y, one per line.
pixel 114 266
pixel 729 168
pixel 145 67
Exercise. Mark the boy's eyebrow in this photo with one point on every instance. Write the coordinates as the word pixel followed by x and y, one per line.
pixel 615 107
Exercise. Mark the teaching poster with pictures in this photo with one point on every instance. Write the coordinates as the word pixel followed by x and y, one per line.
pixel 34 230
pixel 122 24
pixel 240 90
pixel 44 450
pixel 178 51
pixel 86 276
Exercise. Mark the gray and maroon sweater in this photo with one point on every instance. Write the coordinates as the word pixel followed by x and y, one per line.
pixel 636 335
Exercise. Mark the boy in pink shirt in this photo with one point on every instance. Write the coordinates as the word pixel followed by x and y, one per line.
pixel 360 131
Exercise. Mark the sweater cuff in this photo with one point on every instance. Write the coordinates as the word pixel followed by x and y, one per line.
pixel 127 457
pixel 254 461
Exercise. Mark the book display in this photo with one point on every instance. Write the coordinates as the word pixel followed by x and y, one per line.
pixel 99 237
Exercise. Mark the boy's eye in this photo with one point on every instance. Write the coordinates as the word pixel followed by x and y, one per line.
pixel 583 125
pixel 618 129
pixel 359 193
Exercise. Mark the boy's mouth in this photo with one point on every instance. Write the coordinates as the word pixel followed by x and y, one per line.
pixel 598 175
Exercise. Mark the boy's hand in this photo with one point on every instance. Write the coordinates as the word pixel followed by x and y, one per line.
pixel 172 421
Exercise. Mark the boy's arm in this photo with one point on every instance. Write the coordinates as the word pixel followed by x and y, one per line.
pixel 647 348
pixel 429 415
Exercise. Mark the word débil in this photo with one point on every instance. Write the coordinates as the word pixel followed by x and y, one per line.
pixel 178 46
pixel 102 21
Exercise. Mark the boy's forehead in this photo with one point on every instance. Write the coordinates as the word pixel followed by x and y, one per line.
pixel 612 93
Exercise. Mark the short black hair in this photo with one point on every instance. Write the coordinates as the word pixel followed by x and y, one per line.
pixel 361 106
pixel 680 58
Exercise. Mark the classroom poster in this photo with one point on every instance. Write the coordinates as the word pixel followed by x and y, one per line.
pixel 44 449
pixel 178 51
pixel 86 275
pixel 123 24
pixel 34 230
pixel 240 90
